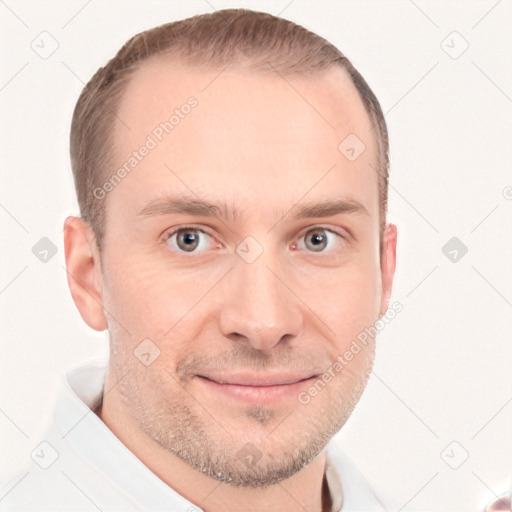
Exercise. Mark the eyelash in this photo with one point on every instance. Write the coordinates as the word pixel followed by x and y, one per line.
pixel 172 232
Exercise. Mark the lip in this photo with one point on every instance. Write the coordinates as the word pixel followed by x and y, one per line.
pixel 257 388
pixel 257 379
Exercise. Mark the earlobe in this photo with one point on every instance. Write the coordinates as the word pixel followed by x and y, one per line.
pixel 388 265
pixel 84 273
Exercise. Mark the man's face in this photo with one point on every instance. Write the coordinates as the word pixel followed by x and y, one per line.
pixel 266 292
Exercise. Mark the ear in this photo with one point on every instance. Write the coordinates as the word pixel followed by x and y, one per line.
pixel 387 265
pixel 83 267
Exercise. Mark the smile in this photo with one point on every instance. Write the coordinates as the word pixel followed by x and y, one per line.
pixel 252 389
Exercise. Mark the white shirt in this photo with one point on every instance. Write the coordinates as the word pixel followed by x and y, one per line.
pixel 80 465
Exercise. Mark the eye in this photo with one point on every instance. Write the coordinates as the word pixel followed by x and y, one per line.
pixel 318 239
pixel 188 239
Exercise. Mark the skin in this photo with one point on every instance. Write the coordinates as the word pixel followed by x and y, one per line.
pixel 255 144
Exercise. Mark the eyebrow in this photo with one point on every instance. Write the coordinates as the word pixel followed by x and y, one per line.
pixel 186 205
pixel 329 208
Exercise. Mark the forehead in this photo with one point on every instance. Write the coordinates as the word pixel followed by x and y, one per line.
pixel 249 135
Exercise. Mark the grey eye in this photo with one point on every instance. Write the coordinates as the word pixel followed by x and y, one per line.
pixel 190 239
pixel 316 240
pixel 187 239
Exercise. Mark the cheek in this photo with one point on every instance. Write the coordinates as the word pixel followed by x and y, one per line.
pixel 347 299
pixel 348 304
pixel 152 301
pixel 137 296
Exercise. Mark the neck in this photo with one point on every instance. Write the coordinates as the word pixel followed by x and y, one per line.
pixel 303 491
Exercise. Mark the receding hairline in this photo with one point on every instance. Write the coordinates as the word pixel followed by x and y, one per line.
pixel 175 62
pixel 211 39
pixel 245 68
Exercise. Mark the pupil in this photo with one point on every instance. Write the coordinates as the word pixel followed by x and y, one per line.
pixel 317 241
pixel 189 241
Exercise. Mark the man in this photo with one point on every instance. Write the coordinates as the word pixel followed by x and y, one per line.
pixel 231 171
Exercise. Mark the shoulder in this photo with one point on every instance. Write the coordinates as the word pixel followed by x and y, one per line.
pixel 57 479
pixel 29 490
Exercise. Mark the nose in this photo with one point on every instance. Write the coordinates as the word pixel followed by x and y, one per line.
pixel 260 307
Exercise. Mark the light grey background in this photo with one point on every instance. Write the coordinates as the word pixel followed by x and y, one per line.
pixel 443 371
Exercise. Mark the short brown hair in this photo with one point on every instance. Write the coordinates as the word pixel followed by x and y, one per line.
pixel 228 36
